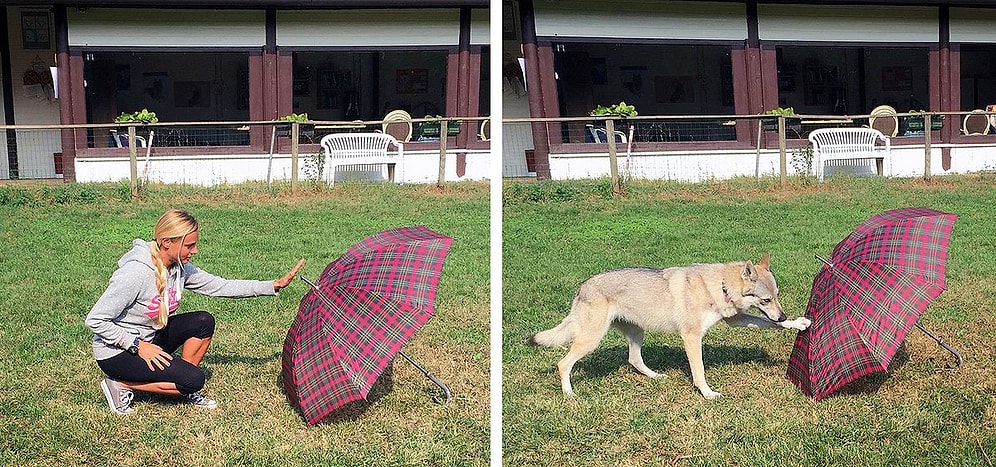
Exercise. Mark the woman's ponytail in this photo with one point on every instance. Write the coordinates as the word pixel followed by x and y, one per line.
pixel 157 262
pixel 175 224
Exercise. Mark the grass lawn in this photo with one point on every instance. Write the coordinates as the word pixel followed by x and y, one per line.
pixel 60 244
pixel 557 234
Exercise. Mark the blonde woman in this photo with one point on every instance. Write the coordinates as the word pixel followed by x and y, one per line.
pixel 135 332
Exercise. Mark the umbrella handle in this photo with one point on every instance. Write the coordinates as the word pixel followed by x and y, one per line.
pixel 321 295
pixel 940 342
pixel 437 382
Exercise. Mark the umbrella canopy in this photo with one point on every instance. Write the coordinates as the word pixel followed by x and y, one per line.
pixel 365 306
pixel 868 294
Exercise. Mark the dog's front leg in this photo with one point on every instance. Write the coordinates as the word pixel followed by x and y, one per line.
pixel 693 350
pixel 754 321
pixel 800 324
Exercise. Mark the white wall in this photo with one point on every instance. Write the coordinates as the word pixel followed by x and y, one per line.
pixel 698 166
pixel 972 25
pixel 841 23
pixel 146 27
pixel 420 167
pixel 642 19
pixel 368 28
pixel 34 104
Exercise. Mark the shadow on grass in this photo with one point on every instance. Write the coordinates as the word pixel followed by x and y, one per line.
pixel 226 359
pixel 352 411
pixel 604 361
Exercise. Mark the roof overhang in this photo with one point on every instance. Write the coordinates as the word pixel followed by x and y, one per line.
pixel 279 4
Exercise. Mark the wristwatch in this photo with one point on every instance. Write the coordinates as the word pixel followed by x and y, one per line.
pixel 133 348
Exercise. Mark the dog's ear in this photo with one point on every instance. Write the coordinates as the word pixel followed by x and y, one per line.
pixel 765 262
pixel 749 272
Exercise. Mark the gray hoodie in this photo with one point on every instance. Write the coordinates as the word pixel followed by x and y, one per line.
pixel 130 305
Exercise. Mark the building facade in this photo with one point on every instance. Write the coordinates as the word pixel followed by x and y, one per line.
pixel 82 62
pixel 721 58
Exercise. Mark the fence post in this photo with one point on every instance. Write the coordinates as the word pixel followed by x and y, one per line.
pixel 926 146
pixel 132 161
pixel 782 162
pixel 443 130
pixel 295 132
pixel 610 137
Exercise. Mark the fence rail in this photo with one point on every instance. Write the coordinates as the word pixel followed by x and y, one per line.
pixel 676 146
pixel 285 148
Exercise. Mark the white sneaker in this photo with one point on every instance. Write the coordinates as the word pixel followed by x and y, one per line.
pixel 200 400
pixel 118 398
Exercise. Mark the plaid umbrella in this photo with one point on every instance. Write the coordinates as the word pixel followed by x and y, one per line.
pixel 365 306
pixel 868 295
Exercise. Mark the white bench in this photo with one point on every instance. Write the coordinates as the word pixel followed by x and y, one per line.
pixel 342 149
pixel 836 144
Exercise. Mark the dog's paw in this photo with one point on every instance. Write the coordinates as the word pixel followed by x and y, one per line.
pixel 800 324
pixel 711 395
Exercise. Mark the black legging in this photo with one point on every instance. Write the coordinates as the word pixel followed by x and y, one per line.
pixel 188 378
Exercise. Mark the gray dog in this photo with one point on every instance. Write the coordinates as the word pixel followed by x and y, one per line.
pixel 687 300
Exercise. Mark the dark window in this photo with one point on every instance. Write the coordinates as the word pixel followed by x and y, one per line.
pixel 177 86
pixel 852 80
pixel 367 85
pixel 978 76
pixel 484 89
pixel 657 79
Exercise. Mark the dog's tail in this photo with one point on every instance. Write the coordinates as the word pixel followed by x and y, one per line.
pixel 561 335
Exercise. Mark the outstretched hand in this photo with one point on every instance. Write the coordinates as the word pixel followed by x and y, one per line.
pixel 289 277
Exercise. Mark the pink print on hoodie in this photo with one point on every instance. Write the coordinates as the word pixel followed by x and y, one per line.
pixel 156 301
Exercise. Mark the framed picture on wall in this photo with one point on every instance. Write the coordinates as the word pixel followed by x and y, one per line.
pixel 674 89
pixel 897 78
pixel 302 83
pixel 509 20
pixel 155 85
pixel 35 32
pixel 412 81
pixel 243 89
pixel 192 94
pixel 599 71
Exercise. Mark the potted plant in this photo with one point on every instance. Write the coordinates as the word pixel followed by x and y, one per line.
pixel 791 121
pixel 622 110
pixel 144 116
pixel 305 128
pixel 431 129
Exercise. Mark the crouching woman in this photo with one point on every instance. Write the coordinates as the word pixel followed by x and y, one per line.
pixel 135 333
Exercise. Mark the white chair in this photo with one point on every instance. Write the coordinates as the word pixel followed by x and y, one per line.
pixel 485 131
pixel 398 124
pixel 836 144
pixel 348 149
pixel 975 123
pixel 884 118
pixel 121 139
pixel 598 134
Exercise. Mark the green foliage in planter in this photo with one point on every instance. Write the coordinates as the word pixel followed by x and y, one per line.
pixel 621 109
pixel 787 111
pixel 294 118
pixel 137 117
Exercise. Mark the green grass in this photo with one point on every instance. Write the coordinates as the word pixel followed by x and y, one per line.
pixel 59 245
pixel 557 234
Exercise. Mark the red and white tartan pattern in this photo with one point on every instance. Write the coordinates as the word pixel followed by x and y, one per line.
pixel 373 299
pixel 883 276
